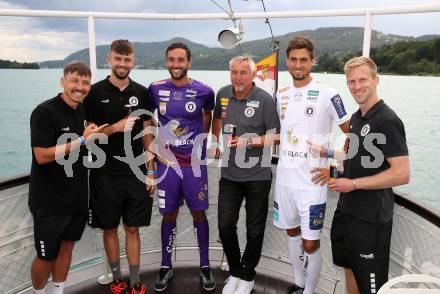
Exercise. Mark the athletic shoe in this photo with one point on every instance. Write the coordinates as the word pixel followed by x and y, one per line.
pixel 245 287
pixel 206 279
pixel 139 288
pixel 295 289
pixel 231 285
pixel 118 287
pixel 161 282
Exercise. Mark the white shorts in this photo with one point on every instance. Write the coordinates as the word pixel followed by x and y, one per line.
pixel 300 208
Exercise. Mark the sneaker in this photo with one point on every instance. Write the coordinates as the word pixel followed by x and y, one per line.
pixel 207 279
pixel 118 287
pixel 245 287
pixel 161 282
pixel 139 288
pixel 295 289
pixel 231 285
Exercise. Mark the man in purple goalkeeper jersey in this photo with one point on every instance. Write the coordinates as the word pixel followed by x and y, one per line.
pixel 184 111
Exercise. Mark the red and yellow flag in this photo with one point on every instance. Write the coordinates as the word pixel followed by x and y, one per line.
pixel 267 73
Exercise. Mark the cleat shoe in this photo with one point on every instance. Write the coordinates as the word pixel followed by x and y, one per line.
pixel 207 279
pixel 118 287
pixel 161 282
pixel 295 289
pixel 139 288
pixel 231 285
pixel 245 287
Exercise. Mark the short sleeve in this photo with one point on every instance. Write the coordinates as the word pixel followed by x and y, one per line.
pixel 209 99
pixel 42 128
pixel 336 109
pixel 394 132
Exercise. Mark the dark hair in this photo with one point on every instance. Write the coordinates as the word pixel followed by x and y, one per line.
pixel 301 42
pixel 123 47
pixel 79 67
pixel 181 46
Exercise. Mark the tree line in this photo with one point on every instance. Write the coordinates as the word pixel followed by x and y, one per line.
pixel 403 58
pixel 18 65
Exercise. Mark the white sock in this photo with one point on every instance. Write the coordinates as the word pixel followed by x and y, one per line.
pixel 57 288
pixel 296 258
pixel 312 270
pixel 41 291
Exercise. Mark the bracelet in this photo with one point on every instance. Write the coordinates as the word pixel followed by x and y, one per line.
pixel 82 140
pixel 354 184
pixel 330 153
pixel 151 172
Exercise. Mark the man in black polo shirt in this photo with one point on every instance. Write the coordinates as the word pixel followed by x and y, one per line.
pixel 377 160
pixel 118 188
pixel 58 183
pixel 246 169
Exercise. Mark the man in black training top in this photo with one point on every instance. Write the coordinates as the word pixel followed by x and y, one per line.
pixel 378 160
pixel 116 190
pixel 58 184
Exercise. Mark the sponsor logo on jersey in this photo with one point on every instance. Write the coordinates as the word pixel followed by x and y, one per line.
pixel 295 154
pixel 163 108
pixel 253 104
pixel 191 91
pixel 285 97
pixel 178 143
pixel 312 98
pixel 367 256
pixel 190 106
pixel 105 101
pixel 164 98
pixel 134 101
pixel 365 130
pixel 201 195
pixel 224 101
pixel 177 94
pixel 298 96
pixel 249 112
pixel 310 111
pixel 291 138
pixel 313 93
pixel 66 129
pixel 191 96
pixel 164 93
pixel 339 106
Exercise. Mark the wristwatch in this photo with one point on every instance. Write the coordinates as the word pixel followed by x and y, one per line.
pixel 249 143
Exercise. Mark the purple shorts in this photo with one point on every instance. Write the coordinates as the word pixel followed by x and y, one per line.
pixel 172 188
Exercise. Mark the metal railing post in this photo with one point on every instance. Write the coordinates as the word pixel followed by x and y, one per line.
pixel 367 35
pixel 92 47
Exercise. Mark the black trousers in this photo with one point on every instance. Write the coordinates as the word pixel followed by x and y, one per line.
pixel 231 195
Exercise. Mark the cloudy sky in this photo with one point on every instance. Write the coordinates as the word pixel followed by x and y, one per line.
pixel 37 39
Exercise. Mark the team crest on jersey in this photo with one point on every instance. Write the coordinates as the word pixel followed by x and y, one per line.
pixel 310 111
pixel 190 106
pixel 163 108
pixel 133 101
pixel 249 112
pixel 201 195
pixel 365 130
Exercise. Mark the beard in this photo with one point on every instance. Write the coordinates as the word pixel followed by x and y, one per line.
pixel 120 76
pixel 300 77
pixel 180 76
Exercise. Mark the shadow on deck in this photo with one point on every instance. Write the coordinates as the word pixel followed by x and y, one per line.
pixel 185 281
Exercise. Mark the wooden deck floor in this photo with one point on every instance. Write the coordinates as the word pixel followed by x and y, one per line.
pixel 186 281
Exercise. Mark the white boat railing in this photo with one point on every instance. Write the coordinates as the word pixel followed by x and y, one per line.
pixel 368 13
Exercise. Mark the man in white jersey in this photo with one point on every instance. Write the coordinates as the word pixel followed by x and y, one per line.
pixel 307 111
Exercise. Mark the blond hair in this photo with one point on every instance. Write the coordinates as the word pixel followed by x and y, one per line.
pixel 359 61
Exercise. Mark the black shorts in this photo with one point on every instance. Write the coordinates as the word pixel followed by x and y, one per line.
pixel 363 247
pixel 116 196
pixel 49 231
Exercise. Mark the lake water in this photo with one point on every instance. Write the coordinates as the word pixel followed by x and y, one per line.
pixel 415 99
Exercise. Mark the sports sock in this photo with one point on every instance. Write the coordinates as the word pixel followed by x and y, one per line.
pixel 41 291
pixel 134 274
pixel 296 258
pixel 201 232
pixel 312 269
pixel 168 233
pixel 116 269
pixel 58 288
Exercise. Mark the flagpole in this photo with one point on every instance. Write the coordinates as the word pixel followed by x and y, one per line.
pixel 276 49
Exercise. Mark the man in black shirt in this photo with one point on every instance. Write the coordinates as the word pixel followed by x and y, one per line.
pixel 377 160
pixel 120 188
pixel 58 183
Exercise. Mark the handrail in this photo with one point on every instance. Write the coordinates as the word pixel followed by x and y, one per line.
pixel 14 181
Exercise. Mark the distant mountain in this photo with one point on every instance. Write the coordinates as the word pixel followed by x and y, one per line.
pixel 336 40
pixel 17 65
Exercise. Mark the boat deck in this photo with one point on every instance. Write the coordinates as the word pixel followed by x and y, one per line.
pixel 185 280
